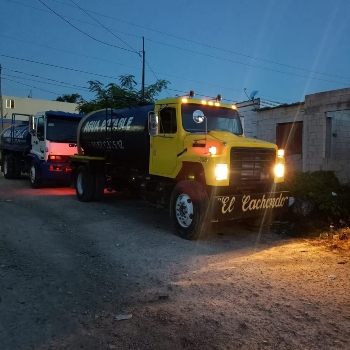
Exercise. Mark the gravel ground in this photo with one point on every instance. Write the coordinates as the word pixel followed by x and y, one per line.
pixel 69 271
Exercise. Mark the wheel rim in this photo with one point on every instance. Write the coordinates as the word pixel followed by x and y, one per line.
pixel 32 174
pixel 184 210
pixel 80 187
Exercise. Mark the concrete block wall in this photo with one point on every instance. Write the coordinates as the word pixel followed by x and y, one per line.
pixel 313 113
pixel 248 110
pixel 336 105
pixel 267 122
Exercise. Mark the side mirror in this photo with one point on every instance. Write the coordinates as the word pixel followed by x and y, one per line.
pixel 152 124
pixel 32 126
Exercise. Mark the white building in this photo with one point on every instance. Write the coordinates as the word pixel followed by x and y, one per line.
pixel 315 133
pixel 21 105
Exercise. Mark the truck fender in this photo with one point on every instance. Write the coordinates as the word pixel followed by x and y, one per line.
pixel 191 171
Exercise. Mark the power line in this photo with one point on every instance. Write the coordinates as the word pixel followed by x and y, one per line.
pixel 156 77
pixel 104 27
pixel 200 53
pixel 81 31
pixel 60 67
pixel 116 63
pixel 205 45
pixel 109 77
pixel 48 79
pixel 67 51
pixel 17 82
pixel 250 65
pixel 175 90
pixel 211 56
pixel 116 37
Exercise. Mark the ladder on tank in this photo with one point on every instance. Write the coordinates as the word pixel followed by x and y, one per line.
pixel 108 145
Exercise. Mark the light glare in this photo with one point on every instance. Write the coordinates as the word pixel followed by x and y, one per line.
pixel 279 170
pixel 221 172
pixel 212 150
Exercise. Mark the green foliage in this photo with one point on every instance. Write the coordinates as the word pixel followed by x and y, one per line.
pixel 73 98
pixel 120 96
pixel 322 188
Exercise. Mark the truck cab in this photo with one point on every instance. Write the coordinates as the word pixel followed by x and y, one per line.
pixel 210 135
pixel 53 140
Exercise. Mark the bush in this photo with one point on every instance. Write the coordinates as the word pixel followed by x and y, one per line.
pixel 322 188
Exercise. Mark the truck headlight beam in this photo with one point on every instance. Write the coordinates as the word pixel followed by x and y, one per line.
pixel 279 170
pixel 221 172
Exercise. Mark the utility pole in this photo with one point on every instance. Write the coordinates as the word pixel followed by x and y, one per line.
pixel 143 69
pixel 1 105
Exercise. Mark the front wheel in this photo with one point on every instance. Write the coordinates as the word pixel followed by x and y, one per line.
pixel 188 207
pixel 35 175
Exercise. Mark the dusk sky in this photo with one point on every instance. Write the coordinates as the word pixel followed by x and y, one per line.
pixel 283 49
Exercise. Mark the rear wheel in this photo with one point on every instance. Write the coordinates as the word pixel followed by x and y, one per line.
pixel 35 175
pixel 188 206
pixel 9 167
pixel 85 186
pixel 99 186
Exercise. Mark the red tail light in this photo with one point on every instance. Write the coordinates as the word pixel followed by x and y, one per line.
pixel 56 158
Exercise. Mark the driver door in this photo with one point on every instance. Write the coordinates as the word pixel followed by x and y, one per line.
pixel 38 137
pixel 164 145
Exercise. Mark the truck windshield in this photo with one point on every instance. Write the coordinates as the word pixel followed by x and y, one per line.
pixel 218 119
pixel 62 129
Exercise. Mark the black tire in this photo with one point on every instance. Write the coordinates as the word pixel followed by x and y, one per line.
pixel 85 184
pixel 188 207
pixel 35 176
pixel 261 221
pixel 18 168
pixel 9 167
pixel 99 186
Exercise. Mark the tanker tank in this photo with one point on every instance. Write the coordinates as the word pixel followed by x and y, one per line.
pixel 16 138
pixel 124 132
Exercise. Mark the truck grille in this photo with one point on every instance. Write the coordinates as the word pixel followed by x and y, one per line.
pixel 252 165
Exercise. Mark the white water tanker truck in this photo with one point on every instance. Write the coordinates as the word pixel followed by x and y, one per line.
pixel 39 145
pixel 188 155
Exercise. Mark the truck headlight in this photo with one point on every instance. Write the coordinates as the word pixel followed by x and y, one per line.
pixel 279 170
pixel 221 172
pixel 212 150
pixel 280 152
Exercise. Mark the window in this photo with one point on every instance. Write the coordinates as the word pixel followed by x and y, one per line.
pixel 167 121
pixel 289 137
pixel 217 118
pixel 40 131
pixel 10 104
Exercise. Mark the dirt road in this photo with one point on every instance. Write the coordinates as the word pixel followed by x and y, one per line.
pixel 68 269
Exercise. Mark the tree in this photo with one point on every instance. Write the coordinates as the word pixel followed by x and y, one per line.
pixel 120 96
pixel 73 98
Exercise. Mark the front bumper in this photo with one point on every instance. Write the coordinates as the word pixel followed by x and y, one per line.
pixel 56 171
pixel 233 207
